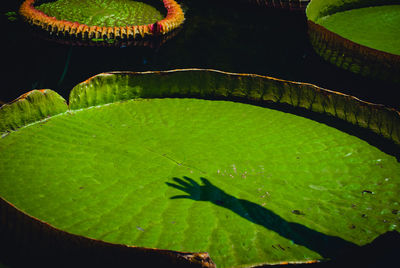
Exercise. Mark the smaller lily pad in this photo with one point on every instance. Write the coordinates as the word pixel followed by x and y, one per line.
pixel 361 36
pixel 114 19
pixel 102 13
pixel 377 27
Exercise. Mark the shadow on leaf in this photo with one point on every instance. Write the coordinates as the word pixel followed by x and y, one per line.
pixel 325 245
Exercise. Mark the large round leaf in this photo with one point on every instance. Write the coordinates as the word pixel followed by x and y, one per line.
pixel 103 13
pixel 376 27
pixel 98 19
pixel 245 183
pixel 361 36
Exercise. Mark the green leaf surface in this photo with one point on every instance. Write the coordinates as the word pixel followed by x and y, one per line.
pixel 377 27
pixel 106 13
pixel 31 107
pixel 361 36
pixel 247 184
pixel 321 8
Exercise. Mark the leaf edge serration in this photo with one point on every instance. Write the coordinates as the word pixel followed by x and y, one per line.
pixel 113 87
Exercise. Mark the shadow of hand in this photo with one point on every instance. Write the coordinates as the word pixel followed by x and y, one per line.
pixel 195 191
pixel 326 245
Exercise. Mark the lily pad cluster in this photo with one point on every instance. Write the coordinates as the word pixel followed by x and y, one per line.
pixel 198 167
pixel 120 19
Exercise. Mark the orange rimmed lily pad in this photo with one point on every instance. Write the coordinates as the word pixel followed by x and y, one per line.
pixel 97 19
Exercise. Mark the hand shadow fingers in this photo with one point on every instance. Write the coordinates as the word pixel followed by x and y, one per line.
pixel 206 182
pixel 182 182
pixel 193 182
pixel 177 187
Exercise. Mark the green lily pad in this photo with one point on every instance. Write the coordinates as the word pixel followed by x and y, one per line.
pixel 103 13
pixel 376 27
pixel 358 35
pixel 248 184
pixel 103 19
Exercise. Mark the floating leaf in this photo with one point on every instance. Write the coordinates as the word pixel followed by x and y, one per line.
pixel 357 35
pixel 245 183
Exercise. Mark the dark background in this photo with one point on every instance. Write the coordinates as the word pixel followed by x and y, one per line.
pixel 223 35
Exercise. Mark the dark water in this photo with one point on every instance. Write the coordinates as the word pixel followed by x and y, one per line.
pixel 220 35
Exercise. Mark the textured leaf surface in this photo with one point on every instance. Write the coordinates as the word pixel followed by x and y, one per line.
pixel 33 106
pixel 264 186
pixel 103 13
pixel 376 27
pixel 320 8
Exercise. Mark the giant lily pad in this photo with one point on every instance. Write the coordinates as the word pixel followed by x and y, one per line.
pixel 98 19
pixel 127 164
pixel 358 35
